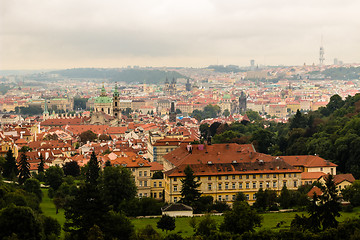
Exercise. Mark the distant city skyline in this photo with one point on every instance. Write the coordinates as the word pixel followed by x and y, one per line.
pixel 59 34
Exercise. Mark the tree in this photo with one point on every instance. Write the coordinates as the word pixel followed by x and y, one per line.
pixel 51 227
pixel 329 204
pixel 189 190
pixel 226 113
pixel 41 164
pixel 54 177
pixel 240 219
pixel 71 169
pixel 262 139
pixel 158 175
pixel 284 198
pixel 84 211
pixel 166 223
pixel 21 221
pixel 87 136
pixel 298 121
pixel 206 226
pixel 95 233
pixel 24 169
pixel 117 185
pixel 10 168
pixel 92 173
pixel 32 185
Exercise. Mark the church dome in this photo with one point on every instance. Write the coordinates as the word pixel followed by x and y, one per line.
pixel 103 99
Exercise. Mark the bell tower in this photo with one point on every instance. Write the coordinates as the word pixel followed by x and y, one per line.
pixel 116 103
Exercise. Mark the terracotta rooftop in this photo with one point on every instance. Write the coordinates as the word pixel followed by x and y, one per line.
pixel 315 190
pixel 308 161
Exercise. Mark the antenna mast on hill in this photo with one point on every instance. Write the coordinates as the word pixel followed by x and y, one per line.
pixel 321 57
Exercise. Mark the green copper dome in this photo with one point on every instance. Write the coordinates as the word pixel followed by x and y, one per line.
pixel 102 99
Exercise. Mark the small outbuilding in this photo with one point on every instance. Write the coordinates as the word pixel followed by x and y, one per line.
pixel 177 210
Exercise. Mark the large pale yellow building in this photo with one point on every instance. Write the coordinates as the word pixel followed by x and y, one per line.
pixel 226 169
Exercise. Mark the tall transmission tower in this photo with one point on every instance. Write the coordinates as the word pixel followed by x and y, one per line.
pixel 321 57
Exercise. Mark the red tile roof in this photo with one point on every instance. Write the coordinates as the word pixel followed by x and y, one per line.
pixel 308 161
pixel 315 190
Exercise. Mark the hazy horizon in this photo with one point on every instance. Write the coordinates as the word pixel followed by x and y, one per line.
pixel 65 34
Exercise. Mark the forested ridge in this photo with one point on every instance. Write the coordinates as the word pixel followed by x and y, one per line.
pixel 332 132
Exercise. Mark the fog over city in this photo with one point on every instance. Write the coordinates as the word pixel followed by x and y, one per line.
pixel 47 34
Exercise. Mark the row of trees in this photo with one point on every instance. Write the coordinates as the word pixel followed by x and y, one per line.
pixel 332 132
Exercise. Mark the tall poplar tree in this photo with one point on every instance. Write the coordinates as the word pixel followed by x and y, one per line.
pixel 189 189
pixel 24 169
pixel 41 164
pixel 10 168
pixel 92 173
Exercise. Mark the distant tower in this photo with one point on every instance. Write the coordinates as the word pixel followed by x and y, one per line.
pixel 252 64
pixel 116 103
pixel 188 85
pixel 321 57
pixel 46 112
pixel 242 102
pixel 173 87
pixel 336 61
pixel 172 114
pixel 166 88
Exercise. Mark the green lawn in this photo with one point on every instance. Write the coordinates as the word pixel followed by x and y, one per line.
pixel 48 208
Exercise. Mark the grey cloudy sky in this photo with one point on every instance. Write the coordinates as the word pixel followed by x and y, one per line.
pixel 45 34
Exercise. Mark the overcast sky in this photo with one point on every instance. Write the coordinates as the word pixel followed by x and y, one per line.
pixel 48 34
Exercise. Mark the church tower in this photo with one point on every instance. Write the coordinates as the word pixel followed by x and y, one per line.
pixel 172 114
pixel 242 102
pixel 46 112
pixel 188 85
pixel 166 88
pixel 116 103
pixel 173 87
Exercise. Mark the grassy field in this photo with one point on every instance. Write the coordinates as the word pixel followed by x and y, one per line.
pixel 270 220
pixel 48 208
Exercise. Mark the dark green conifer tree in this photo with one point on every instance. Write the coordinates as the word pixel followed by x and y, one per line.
pixel 92 173
pixel 41 164
pixel 189 190
pixel 10 168
pixel 24 169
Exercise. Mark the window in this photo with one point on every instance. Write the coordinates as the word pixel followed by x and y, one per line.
pixel 140 195
pixel 289 175
pixel 160 184
pixel 274 176
pixel 226 186
pixel 260 185
pixel 254 176
pixel 284 183
pixel 145 173
pixel 175 179
pixel 254 184
pixel 219 177
pixel 233 176
pixel 209 187
pixel 261 176
pixel 140 173
pixel 175 199
pixel 219 198
pixel 247 196
pixel 267 184
pixel 140 183
pixel 160 194
pixel 240 185
pixel 233 185
pixel 219 186
pixel 295 184
pixel 115 104
pixel 240 177
pixel 294 174
pixel 198 178
pixel 321 169
pixel 154 194
pixel 175 188
pixel 209 178
pixel 254 196
pixel 274 184
pixel 247 185
pixel 226 177
pixel 154 184
pixel 267 175
pixel 145 194
pixel 145 183
pixel 284 175
pixel 227 197
pixel 233 197
pixel 247 176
